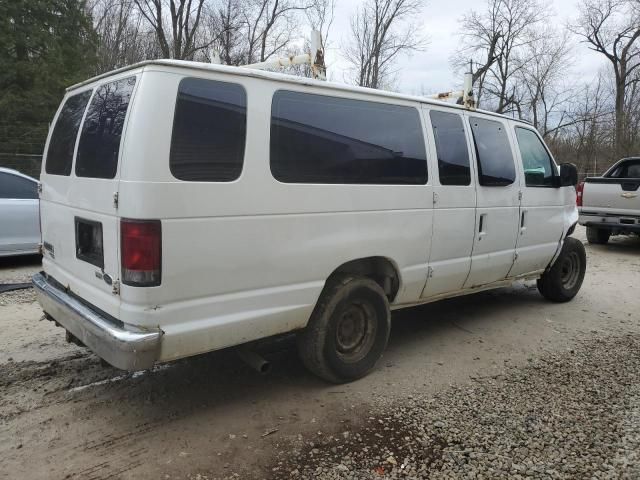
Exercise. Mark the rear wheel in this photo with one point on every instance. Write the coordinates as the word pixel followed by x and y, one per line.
pixel 597 235
pixel 563 280
pixel 348 330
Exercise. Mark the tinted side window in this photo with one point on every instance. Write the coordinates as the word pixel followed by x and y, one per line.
pixel 628 169
pixel 633 170
pixel 102 130
pixel 209 131
pixel 539 170
pixel 65 132
pixel 451 145
pixel 495 159
pixel 320 139
pixel 13 186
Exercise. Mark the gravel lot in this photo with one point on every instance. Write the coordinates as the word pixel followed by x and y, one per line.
pixel 497 384
pixel 574 414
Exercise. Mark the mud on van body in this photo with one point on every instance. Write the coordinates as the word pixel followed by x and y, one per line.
pixel 189 207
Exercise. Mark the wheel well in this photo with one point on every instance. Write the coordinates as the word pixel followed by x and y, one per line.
pixel 380 269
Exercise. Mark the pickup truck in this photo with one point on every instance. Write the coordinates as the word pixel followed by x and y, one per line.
pixel 610 204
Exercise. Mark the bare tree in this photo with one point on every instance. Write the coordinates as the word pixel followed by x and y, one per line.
pixel 248 31
pixel 270 26
pixel 122 40
pixel 587 136
pixel 320 16
pixel 545 95
pixel 176 31
pixel 612 28
pixel 632 109
pixel 494 39
pixel 381 31
pixel 224 23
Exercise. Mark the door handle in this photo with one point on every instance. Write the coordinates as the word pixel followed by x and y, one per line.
pixel 482 226
pixel 523 222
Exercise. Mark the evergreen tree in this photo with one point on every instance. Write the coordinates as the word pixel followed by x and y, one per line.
pixel 45 46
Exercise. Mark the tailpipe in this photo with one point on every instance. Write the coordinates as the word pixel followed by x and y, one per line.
pixel 255 361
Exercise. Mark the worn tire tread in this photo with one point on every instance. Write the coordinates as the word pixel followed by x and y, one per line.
pixel 550 284
pixel 310 341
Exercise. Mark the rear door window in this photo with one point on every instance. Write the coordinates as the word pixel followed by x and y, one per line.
pixel 65 133
pixel 99 144
pixel 451 146
pixel 15 187
pixel 322 139
pixel 539 170
pixel 628 169
pixel 209 131
pixel 495 158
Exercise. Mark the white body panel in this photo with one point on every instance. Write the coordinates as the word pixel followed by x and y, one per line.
pixel 247 259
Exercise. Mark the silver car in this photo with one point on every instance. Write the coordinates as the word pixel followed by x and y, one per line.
pixel 19 214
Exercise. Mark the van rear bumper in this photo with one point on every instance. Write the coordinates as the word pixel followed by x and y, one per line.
pixel 122 347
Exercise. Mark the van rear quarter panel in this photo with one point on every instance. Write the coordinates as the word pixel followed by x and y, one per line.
pixel 248 259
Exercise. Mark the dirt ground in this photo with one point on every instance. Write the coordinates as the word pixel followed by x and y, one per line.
pixel 65 416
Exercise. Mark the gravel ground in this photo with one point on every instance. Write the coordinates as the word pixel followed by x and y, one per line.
pixel 574 414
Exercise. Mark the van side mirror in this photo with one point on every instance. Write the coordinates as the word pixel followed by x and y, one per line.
pixel 568 175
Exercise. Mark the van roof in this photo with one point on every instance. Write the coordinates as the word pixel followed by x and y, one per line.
pixel 285 78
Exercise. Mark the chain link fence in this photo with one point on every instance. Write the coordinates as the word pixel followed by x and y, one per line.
pixel 26 163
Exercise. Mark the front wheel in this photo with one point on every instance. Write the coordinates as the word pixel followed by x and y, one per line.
pixel 563 280
pixel 348 330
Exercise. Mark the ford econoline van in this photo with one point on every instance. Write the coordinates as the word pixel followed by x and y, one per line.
pixel 189 207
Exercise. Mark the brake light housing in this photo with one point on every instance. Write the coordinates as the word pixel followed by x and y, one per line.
pixel 141 252
pixel 579 193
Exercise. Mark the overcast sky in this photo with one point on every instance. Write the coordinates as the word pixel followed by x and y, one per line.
pixel 431 69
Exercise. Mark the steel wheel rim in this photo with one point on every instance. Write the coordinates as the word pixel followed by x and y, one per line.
pixel 355 332
pixel 570 270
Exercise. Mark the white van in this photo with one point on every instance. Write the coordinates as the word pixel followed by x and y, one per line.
pixel 189 207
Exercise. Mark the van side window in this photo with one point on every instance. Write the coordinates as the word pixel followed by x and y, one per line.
pixel 495 158
pixel 451 146
pixel 321 139
pixel 99 145
pixel 65 132
pixel 209 131
pixel 538 166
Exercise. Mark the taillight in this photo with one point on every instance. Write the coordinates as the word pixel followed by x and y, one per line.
pixel 579 190
pixel 141 252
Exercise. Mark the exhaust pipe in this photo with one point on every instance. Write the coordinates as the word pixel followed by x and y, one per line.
pixel 255 361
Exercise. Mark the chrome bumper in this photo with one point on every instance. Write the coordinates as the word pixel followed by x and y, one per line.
pixel 122 347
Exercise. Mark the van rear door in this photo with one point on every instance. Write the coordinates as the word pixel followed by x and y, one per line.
pixel 80 224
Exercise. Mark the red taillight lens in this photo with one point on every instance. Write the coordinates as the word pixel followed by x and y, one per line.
pixel 579 190
pixel 141 252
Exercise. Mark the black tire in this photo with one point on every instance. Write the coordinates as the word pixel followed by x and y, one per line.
pixel 348 329
pixel 598 236
pixel 563 280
